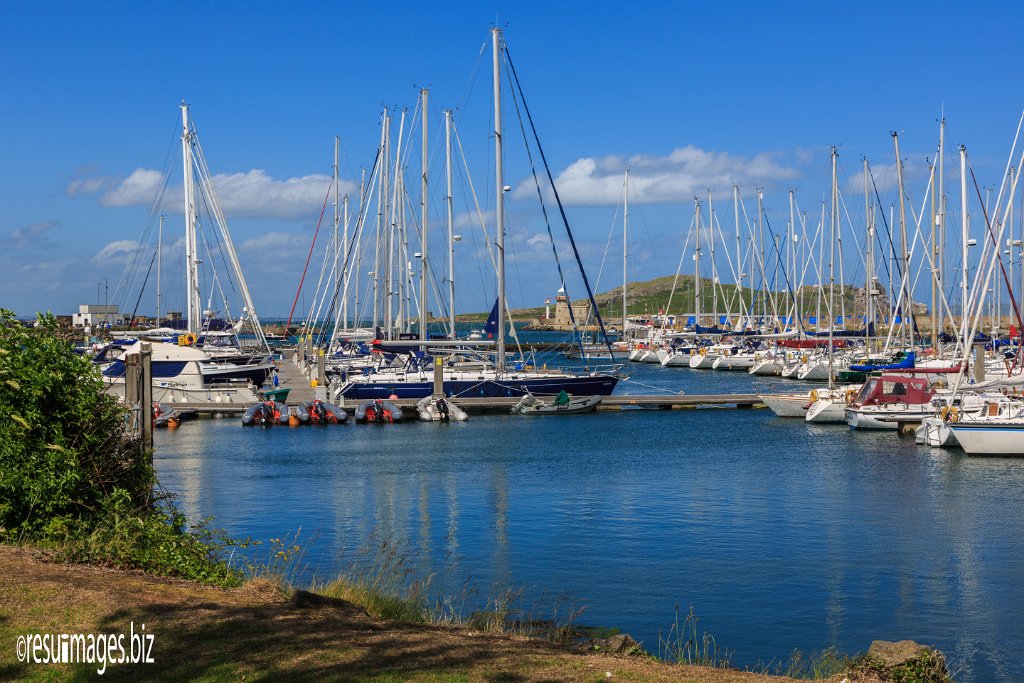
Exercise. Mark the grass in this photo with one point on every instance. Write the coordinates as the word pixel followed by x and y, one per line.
pixel 686 643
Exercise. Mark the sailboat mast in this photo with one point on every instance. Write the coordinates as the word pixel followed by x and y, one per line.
pixel 159 267
pixel 764 275
pixel 337 225
pixel 869 267
pixel 451 220
pixel 696 266
pixel 423 222
pixel 904 280
pixel 625 244
pixel 833 229
pixel 499 207
pixel 714 265
pixel 963 247
pixel 739 257
pixel 344 272
pixel 791 262
pixel 382 184
pixel 938 237
pixel 193 309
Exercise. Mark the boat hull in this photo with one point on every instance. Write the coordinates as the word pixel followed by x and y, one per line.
pixel 786 405
pixel 597 385
pixel 990 439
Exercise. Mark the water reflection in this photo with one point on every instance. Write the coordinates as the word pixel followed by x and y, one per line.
pixel 782 535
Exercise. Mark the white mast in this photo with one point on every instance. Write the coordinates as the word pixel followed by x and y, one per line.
pixel 964 222
pixel 451 220
pixel 159 266
pixel 193 308
pixel 714 265
pixel 907 310
pixel 344 271
pixel 791 262
pixel 423 224
pixel 696 266
pixel 833 229
pixel 764 275
pixel 337 243
pixel 625 243
pixel 499 207
pixel 739 258
pixel 379 232
pixel 869 266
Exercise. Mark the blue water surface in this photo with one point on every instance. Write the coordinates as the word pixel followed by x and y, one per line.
pixel 780 534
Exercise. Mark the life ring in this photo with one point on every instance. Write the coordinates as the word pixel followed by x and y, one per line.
pixel 944 413
pixel 954 414
pixel 187 339
pixel 850 395
pixel 814 395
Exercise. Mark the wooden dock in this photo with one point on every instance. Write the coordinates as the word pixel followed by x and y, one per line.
pixel 500 405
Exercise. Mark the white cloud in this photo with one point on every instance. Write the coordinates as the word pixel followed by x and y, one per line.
pixel 34 235
pixel 84 186
pixel 275 243
pixel 117 252
pixel 471 219
pixel 685 172
pixel 252 194
pixel 885 179
pixel 139 188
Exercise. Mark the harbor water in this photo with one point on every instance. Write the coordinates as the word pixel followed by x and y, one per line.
pixel 781 535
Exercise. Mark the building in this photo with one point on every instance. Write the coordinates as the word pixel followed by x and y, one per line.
pixel 580 311
pixel 95 315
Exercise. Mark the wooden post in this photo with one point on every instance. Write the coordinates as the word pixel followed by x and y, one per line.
pixel 321 370
pixel 146 397
pixel 438 376
pixel 979 362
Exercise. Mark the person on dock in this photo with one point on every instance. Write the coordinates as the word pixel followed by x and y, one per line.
pixel 276 382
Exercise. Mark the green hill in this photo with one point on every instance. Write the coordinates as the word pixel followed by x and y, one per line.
pixel 651 296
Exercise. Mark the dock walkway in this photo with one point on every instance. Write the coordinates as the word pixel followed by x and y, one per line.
pixel 291 376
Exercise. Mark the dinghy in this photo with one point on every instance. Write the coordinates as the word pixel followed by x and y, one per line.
pixel 266 413
pixel 562 405
pixel 430 409
pixel 322 413
pixel 378 410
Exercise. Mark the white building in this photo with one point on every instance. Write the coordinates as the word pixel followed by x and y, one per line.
pixel 93 315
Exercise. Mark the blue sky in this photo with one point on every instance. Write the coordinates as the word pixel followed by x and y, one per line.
pixel 691 95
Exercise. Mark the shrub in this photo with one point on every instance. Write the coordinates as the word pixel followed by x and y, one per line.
pixel 72 474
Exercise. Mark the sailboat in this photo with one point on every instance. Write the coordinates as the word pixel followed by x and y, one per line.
pixel 183 370
pixel 481 377
pixel 830 405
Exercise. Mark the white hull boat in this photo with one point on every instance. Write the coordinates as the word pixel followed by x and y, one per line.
pixel 786 405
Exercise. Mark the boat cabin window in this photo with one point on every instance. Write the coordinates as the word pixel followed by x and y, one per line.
pixel 867 390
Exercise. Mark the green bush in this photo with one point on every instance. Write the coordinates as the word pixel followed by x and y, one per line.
pixel 73 475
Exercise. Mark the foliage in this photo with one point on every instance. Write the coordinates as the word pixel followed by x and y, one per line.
pixel 72 473
pixel 686 644
pixel 928 667
pixel 63 442
pixel 816 666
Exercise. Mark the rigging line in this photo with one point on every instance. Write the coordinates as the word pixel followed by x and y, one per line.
pixel 888 233
pixel 547 224
pixel 997 255
pixel 360 222
pixel 561 208
pixel 142 291
pixel 607 247
pixel 315 233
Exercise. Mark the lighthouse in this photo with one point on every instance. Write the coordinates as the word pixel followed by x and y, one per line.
pixel 547 308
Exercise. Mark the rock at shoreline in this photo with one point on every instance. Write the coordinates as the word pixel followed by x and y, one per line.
pixel 893 654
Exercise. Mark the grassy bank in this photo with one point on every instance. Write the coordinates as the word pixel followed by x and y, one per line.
pixel 254 632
